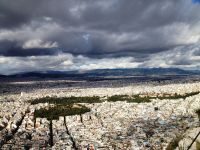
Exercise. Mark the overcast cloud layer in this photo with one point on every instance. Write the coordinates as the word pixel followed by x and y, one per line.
pixel 40 35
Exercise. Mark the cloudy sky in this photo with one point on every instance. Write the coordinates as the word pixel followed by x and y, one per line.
pixel 39 35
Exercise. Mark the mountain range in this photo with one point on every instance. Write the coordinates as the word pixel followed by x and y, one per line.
pixel 104 73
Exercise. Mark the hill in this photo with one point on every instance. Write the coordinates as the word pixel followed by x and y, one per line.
pixel 105 73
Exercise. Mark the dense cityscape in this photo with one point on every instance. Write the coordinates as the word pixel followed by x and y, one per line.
pixel 154 119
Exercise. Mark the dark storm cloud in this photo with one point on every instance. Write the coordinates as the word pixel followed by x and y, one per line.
pixel 99 27
pixel 141 32
pixel 30 52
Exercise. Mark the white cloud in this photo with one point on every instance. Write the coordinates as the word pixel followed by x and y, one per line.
pixel 62 62
pixel 186 57
pixel 33 33
pixel 10 65
pixel 37 43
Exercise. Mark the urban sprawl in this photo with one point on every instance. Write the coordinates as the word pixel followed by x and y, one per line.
pixel 133 117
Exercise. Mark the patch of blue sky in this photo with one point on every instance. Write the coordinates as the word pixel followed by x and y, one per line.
pixel 196 1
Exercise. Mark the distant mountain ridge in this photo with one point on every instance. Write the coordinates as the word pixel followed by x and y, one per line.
pixel 104 73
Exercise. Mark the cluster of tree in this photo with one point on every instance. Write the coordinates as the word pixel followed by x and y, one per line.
pixel 114 98
pixel 177 96
pixel 143 99
pixel 67 100
pixel 53 113
pixel 129 99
